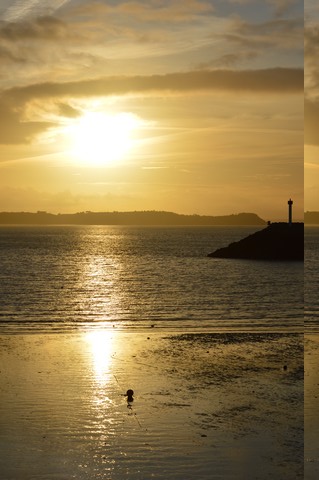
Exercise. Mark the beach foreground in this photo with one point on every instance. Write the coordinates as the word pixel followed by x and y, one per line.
pixel 206 406
pixel 311 407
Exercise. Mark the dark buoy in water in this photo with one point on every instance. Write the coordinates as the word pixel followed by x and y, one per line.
pixel 285 367
pixel 129 394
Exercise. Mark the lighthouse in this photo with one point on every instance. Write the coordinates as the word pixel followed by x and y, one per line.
pixel 290 202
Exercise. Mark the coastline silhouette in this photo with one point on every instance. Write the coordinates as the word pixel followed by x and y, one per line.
pixel 127 218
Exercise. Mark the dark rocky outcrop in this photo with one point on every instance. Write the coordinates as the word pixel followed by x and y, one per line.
pixel 279 241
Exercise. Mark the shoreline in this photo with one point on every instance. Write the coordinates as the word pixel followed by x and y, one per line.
pixel 7 330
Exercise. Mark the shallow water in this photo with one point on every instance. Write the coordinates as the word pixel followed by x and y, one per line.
pixel 312 279
pixel 61 278
pixel 205 406
pixel 311 360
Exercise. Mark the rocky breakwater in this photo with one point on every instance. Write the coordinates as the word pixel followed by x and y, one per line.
pixel 279 241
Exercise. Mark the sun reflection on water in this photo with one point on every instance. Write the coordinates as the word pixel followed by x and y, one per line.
pixel 101 343
pixel 103 390
pixel 98 288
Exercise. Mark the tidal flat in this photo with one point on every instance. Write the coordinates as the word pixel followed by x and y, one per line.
pixel 208 406
pixel 311 407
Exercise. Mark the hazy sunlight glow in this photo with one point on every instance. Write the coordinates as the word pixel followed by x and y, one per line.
pixel 99 139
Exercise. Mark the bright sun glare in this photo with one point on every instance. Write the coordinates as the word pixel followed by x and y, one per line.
pixel 99 139
pixel 101 347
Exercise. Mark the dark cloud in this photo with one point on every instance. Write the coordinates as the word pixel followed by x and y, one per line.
pixel 288 26
pixel 8 56
pixel 66 110
pixel 288 33
pixel 13 101
pixel 311 61
pixel 282 7
pixel 36 43
pixel 47 27
pixel 16 131
pixel 272 80
pixel 311 126
pixel 154 12
pixel 312 43
pixel 227 60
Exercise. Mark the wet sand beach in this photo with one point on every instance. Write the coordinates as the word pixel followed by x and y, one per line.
pixel 311 407
pixel 206 406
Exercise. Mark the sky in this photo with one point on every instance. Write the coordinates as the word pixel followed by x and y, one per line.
pixel 311 106
pixel 191 106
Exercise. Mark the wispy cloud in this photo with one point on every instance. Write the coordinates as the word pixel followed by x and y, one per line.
pixel 40 28
pixel 286 33
pixel 173 12
pixel 227 60
pixel 282 6
pixel 88 38
pixel 24 8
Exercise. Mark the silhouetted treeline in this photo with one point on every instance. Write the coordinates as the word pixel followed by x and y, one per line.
pixel 125 218
pixel 311 218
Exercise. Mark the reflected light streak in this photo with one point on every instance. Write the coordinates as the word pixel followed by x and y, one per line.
pixel 101 347
pixel 97 282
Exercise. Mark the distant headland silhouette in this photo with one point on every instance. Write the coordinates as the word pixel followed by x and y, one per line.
pixel 147 217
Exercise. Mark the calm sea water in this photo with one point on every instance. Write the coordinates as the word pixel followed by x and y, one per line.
pixel 312 279
pixel 69 277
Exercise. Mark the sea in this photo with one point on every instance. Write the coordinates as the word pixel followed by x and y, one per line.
pixel 311 279
pixel 70 278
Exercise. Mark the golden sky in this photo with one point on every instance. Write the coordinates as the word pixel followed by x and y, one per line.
pixel 311 105
pixel 191 106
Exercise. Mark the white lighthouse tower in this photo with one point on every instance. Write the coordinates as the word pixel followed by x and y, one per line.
pixel 290 202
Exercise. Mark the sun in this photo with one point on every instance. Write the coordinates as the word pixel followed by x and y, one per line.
pixel 100 139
